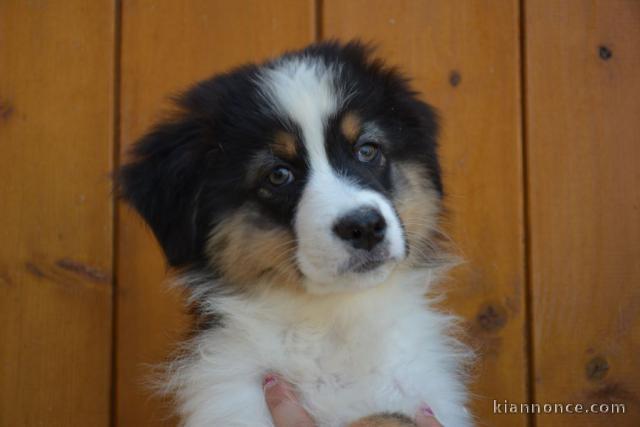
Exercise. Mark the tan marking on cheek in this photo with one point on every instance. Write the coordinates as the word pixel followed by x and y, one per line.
pixel 418 206
pixel 284 145
pixel 248 255
pixel 351 125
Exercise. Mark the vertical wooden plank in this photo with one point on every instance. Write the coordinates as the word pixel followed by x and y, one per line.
pixel 464 58
pixel 56 128
pixel 167 46
pixel 583 145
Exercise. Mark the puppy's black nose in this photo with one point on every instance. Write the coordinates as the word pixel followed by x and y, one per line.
pixel 363 228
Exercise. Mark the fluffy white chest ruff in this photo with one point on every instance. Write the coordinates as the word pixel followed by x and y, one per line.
pixel 381 350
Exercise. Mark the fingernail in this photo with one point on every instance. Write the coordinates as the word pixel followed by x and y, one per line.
pixel 269 381
pixel 426 410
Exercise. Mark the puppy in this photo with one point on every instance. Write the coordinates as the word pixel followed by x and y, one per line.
pixel 299 200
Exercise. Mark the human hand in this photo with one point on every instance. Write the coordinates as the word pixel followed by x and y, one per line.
pixel 286 410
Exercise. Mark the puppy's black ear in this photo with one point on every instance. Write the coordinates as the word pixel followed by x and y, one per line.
pixel 163 183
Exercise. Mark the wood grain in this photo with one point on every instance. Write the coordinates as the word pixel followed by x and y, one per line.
pixel 583 139
pixel 167 46
pixel 56 133
pixel 464 58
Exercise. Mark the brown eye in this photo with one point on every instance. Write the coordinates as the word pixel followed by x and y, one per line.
pixel 367 152
pixel 280 176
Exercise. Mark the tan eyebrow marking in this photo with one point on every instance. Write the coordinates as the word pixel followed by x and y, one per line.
pixel 284 144
pixel 351 126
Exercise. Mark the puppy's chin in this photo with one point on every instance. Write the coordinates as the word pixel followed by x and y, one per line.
pixel 361 278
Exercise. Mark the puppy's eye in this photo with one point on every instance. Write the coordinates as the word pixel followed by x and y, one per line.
pixel 280 176
pixel 367 152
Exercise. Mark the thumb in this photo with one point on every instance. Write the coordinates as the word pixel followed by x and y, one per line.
pixel 283 405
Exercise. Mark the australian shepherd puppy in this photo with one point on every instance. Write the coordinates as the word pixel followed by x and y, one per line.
pixel 299 200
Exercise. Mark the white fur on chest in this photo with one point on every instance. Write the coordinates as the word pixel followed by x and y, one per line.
pixel 381 350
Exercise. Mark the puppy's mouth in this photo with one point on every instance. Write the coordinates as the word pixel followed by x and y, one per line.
pixel 366 261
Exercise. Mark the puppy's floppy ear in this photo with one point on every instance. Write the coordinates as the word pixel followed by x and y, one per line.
pixel 163 183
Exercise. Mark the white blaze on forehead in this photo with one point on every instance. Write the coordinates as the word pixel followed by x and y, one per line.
pixel 304 91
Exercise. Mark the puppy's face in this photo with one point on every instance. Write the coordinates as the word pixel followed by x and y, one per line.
pixel 316 171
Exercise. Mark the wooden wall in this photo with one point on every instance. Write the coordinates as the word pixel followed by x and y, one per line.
pixel 541 155
pixel 56 217
pixel 583 158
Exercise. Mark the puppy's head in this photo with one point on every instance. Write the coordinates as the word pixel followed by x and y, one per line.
pixel 317 170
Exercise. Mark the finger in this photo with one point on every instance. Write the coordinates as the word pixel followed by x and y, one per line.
pixel 283 405
pixel 426 418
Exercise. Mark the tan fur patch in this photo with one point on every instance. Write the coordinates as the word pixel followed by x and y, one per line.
pixel 351 126
pixel 284 145
pixel 248 253
pixel 418 206
pixel 384 420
